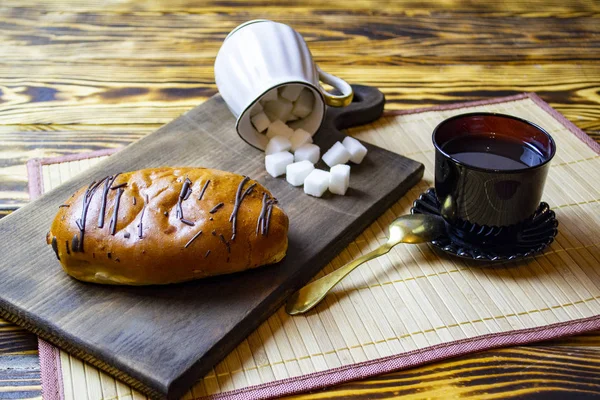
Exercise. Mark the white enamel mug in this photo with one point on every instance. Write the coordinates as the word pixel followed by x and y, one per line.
pixel 261 55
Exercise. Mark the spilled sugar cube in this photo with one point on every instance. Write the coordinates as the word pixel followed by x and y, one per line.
pixel 277 144
pixel 299 138
pixel 310 152
pixel 297 172
pixel 279 128
pixel 278 109
pixel 290 92
pixel 316 183
pixel 339 179
pixel 355 148
pixel 337 154
pixel 260 121
pixel 276 163
pixel 271 95
pixel 304 104
pixel 256 108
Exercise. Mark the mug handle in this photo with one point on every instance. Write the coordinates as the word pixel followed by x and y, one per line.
pixel 331 99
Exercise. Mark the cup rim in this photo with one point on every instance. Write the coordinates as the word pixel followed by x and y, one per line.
pixel 257 99
pixel 493 170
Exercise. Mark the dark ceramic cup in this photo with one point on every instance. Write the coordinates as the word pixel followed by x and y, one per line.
pixel 483 201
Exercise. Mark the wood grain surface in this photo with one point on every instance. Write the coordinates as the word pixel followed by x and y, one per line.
pixel 205 319
pixel 86 75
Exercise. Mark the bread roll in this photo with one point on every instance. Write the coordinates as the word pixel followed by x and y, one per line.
pixel 168 225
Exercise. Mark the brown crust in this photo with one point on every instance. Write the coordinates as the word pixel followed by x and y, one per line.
pixel 160 255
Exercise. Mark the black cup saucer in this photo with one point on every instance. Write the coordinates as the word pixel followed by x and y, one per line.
pixel 533 236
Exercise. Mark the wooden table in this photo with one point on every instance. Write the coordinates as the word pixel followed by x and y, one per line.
pixel 80 75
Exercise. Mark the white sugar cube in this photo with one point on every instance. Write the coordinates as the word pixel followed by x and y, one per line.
pixel 278 109
pixel 277 144
pixel 260 121
pixel 256 108
pixel 310 152
pixel 275 164
pixel 279 128
pixel 297 172
pixel 299 138
pixel 290 92
pixel 291 117
pixel 304 105
pixel 339 179
pixel 337 154
pixel 271 95
pixel 316 183
pixel 355 148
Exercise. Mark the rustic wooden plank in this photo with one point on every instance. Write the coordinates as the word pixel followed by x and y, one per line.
pixel 391 36
pixel 20 377
pixel 16 340
pixel 21 146
pixel 204 319
pixel 510 372
pixel 519 372
pixel 417 87
pixel 419 52
pixel 83 100
pixel 216 6
pixel 519 387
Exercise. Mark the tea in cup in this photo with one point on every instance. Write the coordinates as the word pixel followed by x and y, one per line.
pixel 490 171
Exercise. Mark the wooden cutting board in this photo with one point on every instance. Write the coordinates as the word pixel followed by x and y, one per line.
pixel 160 340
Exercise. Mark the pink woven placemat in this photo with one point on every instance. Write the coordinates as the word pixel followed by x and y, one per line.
pixel 52 377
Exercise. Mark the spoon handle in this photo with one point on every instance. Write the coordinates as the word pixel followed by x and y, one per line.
pixel 311 294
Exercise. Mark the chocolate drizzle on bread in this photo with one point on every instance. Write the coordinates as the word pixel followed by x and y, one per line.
pixel 216 208
pixel 115 216
pixel 261 216
pixel 227 245
pixel 187 195
pixel 238 193
pixel 55 247
pixel 264 218
pixel 140 225
pixel 109 181
pixel 268 219
pixel 203 190
pixel 238 202
pixel 75 243
pixel 170 251
pixel 183 195
pixel 192 239
pixel 87 198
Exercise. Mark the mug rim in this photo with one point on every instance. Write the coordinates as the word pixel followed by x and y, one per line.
pixel 257 99
pixel 495 170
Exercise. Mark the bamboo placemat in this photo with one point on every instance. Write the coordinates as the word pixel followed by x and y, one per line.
pixel 412 305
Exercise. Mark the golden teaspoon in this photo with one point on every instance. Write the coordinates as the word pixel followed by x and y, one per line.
pixel 413 228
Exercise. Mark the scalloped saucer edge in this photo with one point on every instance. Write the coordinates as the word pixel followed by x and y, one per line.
pixel 536 234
